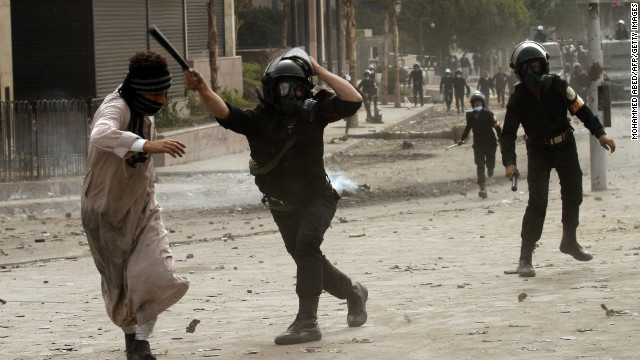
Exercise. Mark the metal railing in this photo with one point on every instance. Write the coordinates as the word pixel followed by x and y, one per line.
pixel 44 139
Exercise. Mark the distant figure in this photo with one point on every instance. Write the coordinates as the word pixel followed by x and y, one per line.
pixel 485 86
pixel 621 31
pixel 579 81
pixel 418 80
pixel 446 88
pixel 500 82
pixel 459 85
pixel 483 123
pixel 540 36
pixel 367 87
pixel 465 65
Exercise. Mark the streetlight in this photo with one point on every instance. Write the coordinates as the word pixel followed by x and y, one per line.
pixel 396 7
pixel 432 26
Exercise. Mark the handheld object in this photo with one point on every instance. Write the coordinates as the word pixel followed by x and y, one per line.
pixel 452 146
pixel 159 36
pixel 514 183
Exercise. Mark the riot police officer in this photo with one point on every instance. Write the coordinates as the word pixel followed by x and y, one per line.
pixel 369 90
pixel 285 137
pixel 459 85
pixel 483 123
pixel 540 103
pixel 417 78
pixel 446 88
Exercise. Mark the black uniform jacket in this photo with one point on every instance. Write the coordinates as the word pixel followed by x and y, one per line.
pixel 300 175
pixel 459 84
pixel 485 85
pixel 483 126
pixel 446 83
pixel 416 77
pixel 368 87
pixel 543 118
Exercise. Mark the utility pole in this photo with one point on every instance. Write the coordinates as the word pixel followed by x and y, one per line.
pixel 597 153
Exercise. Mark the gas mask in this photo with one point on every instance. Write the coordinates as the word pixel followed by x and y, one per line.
pixel 292 100
pixel 533 76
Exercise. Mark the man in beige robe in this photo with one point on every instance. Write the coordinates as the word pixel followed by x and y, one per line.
pixel 120 214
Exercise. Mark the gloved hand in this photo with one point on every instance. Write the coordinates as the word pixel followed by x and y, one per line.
pixel 512 170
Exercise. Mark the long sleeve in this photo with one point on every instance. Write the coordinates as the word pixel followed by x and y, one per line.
pixel 467 129
pixel 107 133
pixel 508 137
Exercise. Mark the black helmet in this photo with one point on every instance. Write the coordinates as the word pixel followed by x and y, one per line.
pixel 367 72
pixel 293 64
pixel 477 95
pixel 529 50
pixel 416 64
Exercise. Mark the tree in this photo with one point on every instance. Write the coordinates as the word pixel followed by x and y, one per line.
pixel 349 14
pixel 213 47
pixel 239 7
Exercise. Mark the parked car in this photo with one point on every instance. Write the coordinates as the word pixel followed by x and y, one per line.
pixel 616 59
pixel 556 58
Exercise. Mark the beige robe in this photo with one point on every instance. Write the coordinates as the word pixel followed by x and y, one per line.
pixel 123 224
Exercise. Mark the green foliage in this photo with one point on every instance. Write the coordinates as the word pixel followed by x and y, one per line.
pixel 253 71
pixel 260 27
pixel 168 116
pixel 404 75
pixel 196 105
pixel 233 99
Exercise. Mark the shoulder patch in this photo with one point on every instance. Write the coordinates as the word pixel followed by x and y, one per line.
pixel 571 95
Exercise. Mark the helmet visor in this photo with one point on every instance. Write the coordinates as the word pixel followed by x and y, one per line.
pixel 286 86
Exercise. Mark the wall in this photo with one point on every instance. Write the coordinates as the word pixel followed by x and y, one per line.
pixel 6 67
pixel 203 142
pixel 230 72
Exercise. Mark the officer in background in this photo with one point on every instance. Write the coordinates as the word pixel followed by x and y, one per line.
pixel 500 81
pixel 483 123
pixel 579 81
pixel 621 31
pixel 418 80
pixel 459 85
pixel 446 88
pixel 485 86
pixel 285 134
pixel 369 91
pixel 540 35
pixel 540 103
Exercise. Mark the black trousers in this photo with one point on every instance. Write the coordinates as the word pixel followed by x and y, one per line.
pixel 448 97
pixel 368 99
pixel 417 89
pixel 459 101
pixel 484 155
pixel 564 158
pixel 303 231
pixel 500 95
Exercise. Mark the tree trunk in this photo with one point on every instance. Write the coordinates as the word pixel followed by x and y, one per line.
pixel 396 51
pixel 350 30
pixel 385 58
pixel 285 23
pixel 213 48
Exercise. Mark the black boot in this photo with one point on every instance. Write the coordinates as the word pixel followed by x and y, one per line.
pixel 356 305
pixel 569 245
pixel 141 351
pixel 305 327
pixel 483 192
pixel 129 340
pixel 525 267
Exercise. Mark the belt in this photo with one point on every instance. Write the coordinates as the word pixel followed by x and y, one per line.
pixel 558 139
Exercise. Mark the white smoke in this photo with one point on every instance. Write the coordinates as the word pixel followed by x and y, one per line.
pixel 341 182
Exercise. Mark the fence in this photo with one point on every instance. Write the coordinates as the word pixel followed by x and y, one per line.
pixel 43 140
